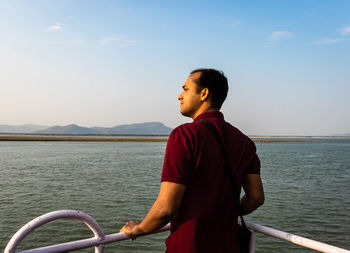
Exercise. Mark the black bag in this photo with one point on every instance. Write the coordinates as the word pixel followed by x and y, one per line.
pixel 243 234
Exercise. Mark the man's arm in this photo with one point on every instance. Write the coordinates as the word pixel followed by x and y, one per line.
pixel 162 211
pixel 254 193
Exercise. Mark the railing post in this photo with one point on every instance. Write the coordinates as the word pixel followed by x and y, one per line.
pixel 252 242
pixel 99 248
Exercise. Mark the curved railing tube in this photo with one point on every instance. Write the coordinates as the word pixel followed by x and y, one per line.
pixel 48 217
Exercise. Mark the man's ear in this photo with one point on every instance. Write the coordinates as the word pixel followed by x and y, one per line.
pixel 204 94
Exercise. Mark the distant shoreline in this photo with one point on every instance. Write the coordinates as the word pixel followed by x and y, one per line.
pixel 86 138
pixel 137 138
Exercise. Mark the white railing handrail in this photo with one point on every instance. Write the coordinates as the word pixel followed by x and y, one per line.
pixel 101 239
pixel 295 239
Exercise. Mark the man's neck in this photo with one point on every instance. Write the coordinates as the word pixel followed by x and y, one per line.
pixel 203 110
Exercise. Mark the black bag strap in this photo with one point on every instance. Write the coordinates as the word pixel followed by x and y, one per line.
pixel 234 185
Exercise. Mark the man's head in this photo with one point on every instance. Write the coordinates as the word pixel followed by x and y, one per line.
pixel 216 82
pixel 204 90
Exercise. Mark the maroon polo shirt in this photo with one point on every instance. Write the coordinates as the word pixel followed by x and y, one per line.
pixel 207 218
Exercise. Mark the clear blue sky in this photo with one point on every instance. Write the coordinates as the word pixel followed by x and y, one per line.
pixel 105 63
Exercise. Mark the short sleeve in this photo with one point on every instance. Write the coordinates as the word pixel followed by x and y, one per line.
pixel 177 166
pixel 254 165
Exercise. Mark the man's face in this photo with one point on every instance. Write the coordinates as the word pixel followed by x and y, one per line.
pixel 190 98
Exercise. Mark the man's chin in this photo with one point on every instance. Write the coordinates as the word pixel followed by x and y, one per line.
pixel 186 114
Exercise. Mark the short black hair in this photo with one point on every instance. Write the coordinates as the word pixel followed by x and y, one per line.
pixel 216 82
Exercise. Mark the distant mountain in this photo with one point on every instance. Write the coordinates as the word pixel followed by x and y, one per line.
pixel 152 128
pixel 148 128
pixel 69 129
pixel 27 128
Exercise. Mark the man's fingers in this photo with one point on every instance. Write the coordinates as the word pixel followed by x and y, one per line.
pixel 123 230
pixel 128 229
pixel 133 223
pixel 128 232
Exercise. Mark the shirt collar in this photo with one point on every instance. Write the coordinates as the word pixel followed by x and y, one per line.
pixel 210 114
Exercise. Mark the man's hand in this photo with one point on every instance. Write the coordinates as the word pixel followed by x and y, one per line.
pixel 132 229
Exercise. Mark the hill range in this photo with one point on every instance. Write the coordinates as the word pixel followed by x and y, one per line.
pixel 147 128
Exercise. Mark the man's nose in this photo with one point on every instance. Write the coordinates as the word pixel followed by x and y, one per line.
pixel 179 97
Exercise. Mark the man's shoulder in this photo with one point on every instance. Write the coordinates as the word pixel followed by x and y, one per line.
pixel 187 130
pixel 231 128
pixel 192 128
pixel 236 133
pixel 189 133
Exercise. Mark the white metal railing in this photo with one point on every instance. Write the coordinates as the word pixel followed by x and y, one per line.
pixel 100 239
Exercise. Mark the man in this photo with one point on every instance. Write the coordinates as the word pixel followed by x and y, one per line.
pixel 196 193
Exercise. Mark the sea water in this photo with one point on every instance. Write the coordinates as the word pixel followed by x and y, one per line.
pixel 307 190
